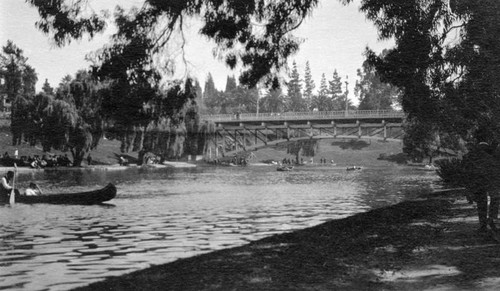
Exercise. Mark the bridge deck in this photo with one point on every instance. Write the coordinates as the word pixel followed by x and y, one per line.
pixel 302 116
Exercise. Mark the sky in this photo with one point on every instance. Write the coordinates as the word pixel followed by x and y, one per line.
pixel 334 38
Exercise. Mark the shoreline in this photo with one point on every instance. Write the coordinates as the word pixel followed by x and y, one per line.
pixel 182 165
pixel 428 243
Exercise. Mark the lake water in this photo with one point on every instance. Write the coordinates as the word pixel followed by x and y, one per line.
pixel 161 215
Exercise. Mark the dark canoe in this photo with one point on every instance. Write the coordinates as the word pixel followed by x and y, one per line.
pixel 86 198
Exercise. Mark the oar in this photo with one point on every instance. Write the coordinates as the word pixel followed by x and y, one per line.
pixel 12 199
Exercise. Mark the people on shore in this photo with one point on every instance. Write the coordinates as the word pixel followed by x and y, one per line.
pixel 33 190
pixel 36 161
pixel 122 161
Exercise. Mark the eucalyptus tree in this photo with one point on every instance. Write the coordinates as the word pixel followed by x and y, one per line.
pixel 255 35
pixel 446 62
pixel 372 93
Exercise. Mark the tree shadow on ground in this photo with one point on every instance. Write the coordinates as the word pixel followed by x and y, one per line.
pixel 413 245
pixel 351 144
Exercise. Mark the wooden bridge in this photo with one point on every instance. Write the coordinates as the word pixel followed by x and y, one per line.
pixel 250 131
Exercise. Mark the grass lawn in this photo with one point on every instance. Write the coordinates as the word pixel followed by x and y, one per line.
pixel 106 153
pixel 346 152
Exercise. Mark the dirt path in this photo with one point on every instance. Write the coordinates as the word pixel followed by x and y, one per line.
pixel 428 244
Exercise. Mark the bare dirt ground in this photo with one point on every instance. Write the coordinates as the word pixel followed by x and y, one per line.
pixel 426 244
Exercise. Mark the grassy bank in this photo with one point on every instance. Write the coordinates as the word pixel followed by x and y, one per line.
pixel 341 151
pixel 106 153
pixel 426 244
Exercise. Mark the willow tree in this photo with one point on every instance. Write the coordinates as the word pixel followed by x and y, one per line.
pixel 71 120
pixel 167 114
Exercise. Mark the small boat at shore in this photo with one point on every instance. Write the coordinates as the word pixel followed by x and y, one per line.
pixel 284 168
pixel 81 198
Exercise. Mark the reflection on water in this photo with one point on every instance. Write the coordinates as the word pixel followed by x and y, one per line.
pixel 164 214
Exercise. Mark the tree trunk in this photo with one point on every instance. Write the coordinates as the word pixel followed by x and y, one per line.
pixel 78 156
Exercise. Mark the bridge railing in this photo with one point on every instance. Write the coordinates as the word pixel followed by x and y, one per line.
pixel 304 115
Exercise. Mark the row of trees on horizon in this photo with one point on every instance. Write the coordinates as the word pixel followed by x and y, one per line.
pixel 300 94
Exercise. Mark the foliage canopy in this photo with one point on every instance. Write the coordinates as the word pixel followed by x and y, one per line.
pixel 448 85
pixel 255 35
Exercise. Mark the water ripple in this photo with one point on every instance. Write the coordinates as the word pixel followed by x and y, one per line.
pixel 163 215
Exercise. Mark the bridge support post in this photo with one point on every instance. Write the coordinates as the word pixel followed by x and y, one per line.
pixel 216 143
pixel 359 128
pixel 334 129
pixel 236 140
pixel 265 134
pixel 287 130
pixel 385 130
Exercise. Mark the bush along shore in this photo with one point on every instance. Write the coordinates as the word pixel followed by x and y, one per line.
pixel 429 243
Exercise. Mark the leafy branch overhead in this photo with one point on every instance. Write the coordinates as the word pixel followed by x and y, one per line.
pixel 254 35
pixel 446 62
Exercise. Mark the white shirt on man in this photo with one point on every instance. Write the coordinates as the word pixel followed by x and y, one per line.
pixel 31 192
pixel 5 184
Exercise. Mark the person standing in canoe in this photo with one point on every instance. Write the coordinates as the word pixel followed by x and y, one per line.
pixel 6 187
